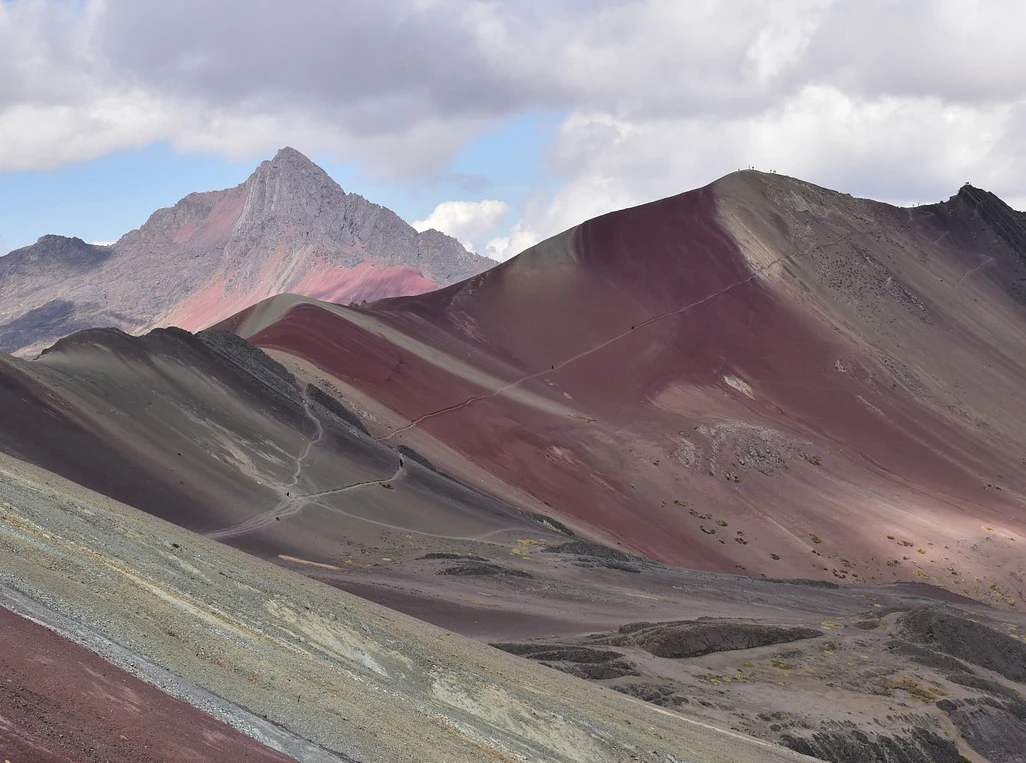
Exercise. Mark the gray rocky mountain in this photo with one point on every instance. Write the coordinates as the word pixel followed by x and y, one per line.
pixel 288 228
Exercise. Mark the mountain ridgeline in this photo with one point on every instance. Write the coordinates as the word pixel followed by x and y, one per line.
pixel 794 417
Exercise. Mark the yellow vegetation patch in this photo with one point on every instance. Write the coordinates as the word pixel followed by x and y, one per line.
pixel 481 603
pixel 308 563
pixel 523 546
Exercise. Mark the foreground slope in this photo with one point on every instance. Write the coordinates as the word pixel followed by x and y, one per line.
pixel 288 228
pixel 321 676
pixel 759 376
pixel 289 659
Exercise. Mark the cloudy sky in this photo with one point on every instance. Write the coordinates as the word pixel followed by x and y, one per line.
pixel 499 122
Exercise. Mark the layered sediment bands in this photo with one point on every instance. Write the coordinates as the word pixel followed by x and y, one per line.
pixel 356 679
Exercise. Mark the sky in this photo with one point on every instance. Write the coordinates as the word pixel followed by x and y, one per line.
pixel 499 122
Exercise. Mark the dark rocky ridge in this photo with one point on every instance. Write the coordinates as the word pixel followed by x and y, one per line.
pixel 994 733
pixel 924 686
pixel 1008 223
pixel 968 641
pixel 850 745
pixel 678 640
pixel 989 224
pixel 69 253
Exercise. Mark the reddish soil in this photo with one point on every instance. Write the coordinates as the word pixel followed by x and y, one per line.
pixel 365 282
pixel 62 703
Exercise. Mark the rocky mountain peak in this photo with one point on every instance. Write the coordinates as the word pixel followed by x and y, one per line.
pixel 289 159
pixel 288 228
pixel 290 173
pixel 288 189
pixel 63 246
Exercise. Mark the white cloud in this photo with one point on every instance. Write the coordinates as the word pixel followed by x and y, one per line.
pixel 466 221
pixel 517 239
pixel 102 243
pixel 887 148
pixel 896 100
pixel 78 80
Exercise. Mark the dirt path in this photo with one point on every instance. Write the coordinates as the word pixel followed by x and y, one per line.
pixel 306 661
pixel 986 261
pixel 290 502
pixel 388 526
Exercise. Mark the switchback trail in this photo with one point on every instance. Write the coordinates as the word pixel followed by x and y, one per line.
pixel 290 502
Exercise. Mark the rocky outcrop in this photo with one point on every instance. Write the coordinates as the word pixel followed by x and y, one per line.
pixel 694 638
pixel 988 225
pixel 1006 222
pixel 579 661
pixel 995 733
pixel 848 745
pixel 970 641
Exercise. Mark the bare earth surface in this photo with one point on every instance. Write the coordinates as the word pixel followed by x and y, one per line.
pixel 760 376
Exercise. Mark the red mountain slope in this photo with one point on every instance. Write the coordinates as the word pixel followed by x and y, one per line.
pixel 760 375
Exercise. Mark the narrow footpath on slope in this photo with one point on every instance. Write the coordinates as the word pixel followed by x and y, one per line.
pixel 291 502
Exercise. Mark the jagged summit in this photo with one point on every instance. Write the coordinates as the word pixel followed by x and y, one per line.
pixel 288 159
pixel 1008 223
pixel 54 239
pixel 52 243
pixel 289 155
pixel 987 203
pixel 292 171
pixel 288 228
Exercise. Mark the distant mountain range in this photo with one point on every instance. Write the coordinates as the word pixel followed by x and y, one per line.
pixel 288 228
pixel 793 417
